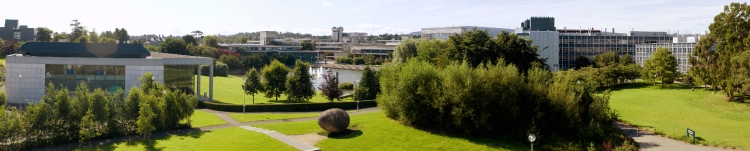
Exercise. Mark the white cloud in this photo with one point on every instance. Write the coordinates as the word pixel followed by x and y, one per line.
pixel 325 4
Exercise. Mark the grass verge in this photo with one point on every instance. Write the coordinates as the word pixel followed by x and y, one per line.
pixel 234 138
pixel 374 131
pixel 203 119
pixel 671 110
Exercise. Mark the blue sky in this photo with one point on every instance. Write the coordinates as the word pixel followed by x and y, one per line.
pixel 178 17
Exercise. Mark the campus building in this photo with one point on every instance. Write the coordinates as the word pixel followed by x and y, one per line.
pixel 11 31
pixel 270 44
pixel 573 43
pixel 105 66
pixel 443 33
pixel 681 50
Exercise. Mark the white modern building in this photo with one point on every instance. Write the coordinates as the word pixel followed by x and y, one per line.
pixel 681 50
pixel 105 66
pixel 443 33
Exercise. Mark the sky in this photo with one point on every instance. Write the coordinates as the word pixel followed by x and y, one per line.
pixel 226 17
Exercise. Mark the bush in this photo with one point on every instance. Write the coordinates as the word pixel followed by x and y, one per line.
pixel 220 69
pixel 293 107
pixel 358 61
pixel 233 62
pixel 344 60
pixel 346 86
pixel 488 98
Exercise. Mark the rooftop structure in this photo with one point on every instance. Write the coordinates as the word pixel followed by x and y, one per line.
pixel 12 31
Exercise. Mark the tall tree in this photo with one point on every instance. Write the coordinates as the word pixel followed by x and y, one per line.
pixel 274 79
pixel 306 45
pixel 77 30
pixel 368 86
pixel 662 65
pixel 122 36
pixel 330 87
pixel 94 37
pixel 741 71
pixel 57 36
pixel 606 59
pixel 627 60
pixel 299 84
pixel 190 39
pixel 477 46
pixel 244 40
pixel 252 84
pixel 174 46
pixel 211 41
pixel 405 50
pixel 145 119
pixel 582 61
pixel 729 34
pixel 43 34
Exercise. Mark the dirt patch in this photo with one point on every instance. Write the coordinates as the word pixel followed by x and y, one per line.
pixel 312 138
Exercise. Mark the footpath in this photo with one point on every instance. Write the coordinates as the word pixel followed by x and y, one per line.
pixel 650 141
pixel 230 123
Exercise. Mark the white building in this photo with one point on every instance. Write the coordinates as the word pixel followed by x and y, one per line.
pixel 682 52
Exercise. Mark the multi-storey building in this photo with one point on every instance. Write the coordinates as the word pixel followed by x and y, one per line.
pixel 573 43
pixel 12 31
pixel 682 50
pixel 269 44
pixel 443 33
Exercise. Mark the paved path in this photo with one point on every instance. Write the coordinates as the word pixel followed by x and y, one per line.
pixel 649 141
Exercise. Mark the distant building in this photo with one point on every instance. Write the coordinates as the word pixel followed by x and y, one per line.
pixel 338 34
pixel 443 33
pixel 12 31
pixel 269 44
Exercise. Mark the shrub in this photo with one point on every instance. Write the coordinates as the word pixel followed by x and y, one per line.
pixel 368 86
pixel 220 69
pixel 344 60
pixel 233 62
pixel 358 61
pixel 346 86
pixel 3 99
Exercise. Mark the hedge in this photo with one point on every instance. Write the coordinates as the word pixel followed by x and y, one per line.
pixel 293 107
pixel 346 86
pixel 220 69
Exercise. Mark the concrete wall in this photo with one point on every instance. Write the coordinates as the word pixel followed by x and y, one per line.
pixel 549 47
pixel 30 86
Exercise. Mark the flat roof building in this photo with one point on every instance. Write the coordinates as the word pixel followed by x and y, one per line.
pixel 12 31
pixel 105 66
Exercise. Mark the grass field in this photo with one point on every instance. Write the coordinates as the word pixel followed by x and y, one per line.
pixel 672 110
pixel 234 138
pixel 203 119
pixel 374 131
pixel 229 90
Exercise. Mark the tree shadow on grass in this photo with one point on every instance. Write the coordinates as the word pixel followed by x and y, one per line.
pixel 151 143
pixel 618 87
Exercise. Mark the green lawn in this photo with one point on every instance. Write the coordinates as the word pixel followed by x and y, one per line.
pixel 203 119
pixel 229 90
pixel 234 138
pixel 374 131
pixel 671 111
pixel 249 117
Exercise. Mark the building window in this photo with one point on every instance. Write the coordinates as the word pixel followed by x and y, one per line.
pixel 107 78
pixel 180 77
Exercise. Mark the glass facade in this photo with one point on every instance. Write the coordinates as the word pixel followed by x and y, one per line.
pixel 180 77
pixel 106 77
pixel 681 51
pixel 572 46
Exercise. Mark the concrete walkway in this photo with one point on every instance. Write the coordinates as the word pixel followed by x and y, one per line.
pixel 649 141
pixel 273 134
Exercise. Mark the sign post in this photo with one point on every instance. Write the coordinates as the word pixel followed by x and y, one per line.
pixel 691 133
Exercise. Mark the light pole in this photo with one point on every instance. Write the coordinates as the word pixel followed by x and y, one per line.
pixel 357 95
pixel 20 77
pixel 532 138
pixel 244 95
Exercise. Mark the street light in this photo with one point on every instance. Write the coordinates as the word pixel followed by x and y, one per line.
pixel 244 95
pixel 532 138
pixel 20 77
pixel 357 95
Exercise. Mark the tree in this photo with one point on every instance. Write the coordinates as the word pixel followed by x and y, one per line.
pixel 368 86
pixel 405 50
pixel 581 61
pixel 299 84
pixel 729 35
pixel 94 37
pixel 306 45
pixel 189 39
pixel 627 60
pixel 107 40
pixel 174 46
pixel 252 84
pixel 211 41
pixel 741 71
pixel 43 34
pixel 233 62
pixel 662 65
pixel 88 127
pixel 274 79
pixel 606 59
pixel 121 35
pixel 477 46
pixel 330 87
pixel 145 119
pixel 57 36
pixel 433 51
pixel 244 40
pixel 77 30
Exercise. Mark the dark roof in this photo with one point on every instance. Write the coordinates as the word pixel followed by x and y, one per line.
pixel 86 50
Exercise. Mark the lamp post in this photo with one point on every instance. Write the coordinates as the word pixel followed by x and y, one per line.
pixel 532 138
pixel 20 77
pixel 355 92
pixel 244 95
